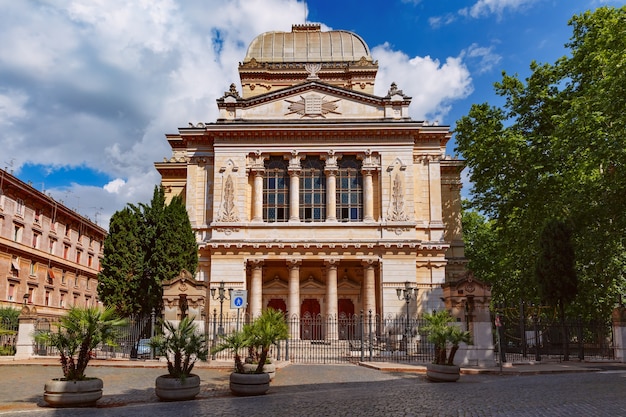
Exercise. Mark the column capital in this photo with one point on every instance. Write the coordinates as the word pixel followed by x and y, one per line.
pixel 294 263
pixel 370 262
pixel 331 263
pixel 256 263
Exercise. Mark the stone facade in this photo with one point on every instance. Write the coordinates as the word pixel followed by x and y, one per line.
pixel 49 254
pixel 313 194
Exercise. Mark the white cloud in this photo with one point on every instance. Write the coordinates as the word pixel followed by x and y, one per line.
pixel 485 57
pixel 12 105
pixel 115 186
pixel 431 84
pixel 484 8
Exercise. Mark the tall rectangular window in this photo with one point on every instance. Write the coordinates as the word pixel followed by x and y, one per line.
pixel 276 190
pixel 349 190
pixel 17 233
pixel 36 239
pixel 312 191
pixel 11 294
pixel 19 207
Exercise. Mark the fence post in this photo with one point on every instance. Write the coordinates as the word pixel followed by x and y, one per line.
pixel 581 342
pixel 214 332
pixel 537 341
pixel 370 336
pixel 362 326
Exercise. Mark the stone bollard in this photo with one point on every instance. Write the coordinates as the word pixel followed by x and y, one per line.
pixel 24 345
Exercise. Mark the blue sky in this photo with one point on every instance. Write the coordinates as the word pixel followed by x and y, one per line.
pixel 88 89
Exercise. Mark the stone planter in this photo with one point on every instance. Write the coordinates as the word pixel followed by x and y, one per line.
pixel 268 368
pixel 442 373
pixel 62 393
pixel 249 384
pixel 169 388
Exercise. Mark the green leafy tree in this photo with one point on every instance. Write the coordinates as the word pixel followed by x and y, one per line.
pixel 556 148
pixel 555 270
pixel 119 282
pixel 147 244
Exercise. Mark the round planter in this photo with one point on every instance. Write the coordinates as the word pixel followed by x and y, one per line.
pixel 442 373
pixel 169 388
pixel 249 384
pixel 268 368
pixel 62 393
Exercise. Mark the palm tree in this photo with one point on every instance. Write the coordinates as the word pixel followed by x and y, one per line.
pixel 78 333
pixel 265 331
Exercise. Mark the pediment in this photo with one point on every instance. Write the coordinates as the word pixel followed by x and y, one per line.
pixel 275 284
pixel 307 101
pixel 312 284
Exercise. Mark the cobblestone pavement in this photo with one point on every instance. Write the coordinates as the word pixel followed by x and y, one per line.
pixel 332 390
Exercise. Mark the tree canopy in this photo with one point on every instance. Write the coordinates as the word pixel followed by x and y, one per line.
pixel 147 244
pixel 556 149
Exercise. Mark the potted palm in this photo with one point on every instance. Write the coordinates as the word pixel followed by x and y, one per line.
pixel 258 336
pixel 182 346
pixel 76 336
pixel 446 337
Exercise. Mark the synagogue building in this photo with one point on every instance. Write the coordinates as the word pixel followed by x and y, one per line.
pixel 312 193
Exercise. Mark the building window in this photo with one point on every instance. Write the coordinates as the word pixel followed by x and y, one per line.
pixel 11 293
pixel 79 256
pixel 87 284
pixel 276 190
pixel 76 281
pixel 47 300
pixel 17 233
pixel 1 200
pixel 37 215
pixel 15 266
pixel 349 190
pixel 67 230
pixel 52 245
pixel 90 261
pixel 31 295
pixel 19 208
pixel 50 277
pixel 66 251
pixel 62 300
pixel 36 239
pixel 33 268
pixel 63 277
pixel 312 191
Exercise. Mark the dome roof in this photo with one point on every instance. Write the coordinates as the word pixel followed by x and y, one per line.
pixel 307 43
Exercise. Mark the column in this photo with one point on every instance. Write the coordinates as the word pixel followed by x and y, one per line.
pixel 294 195
pixel 257 195
pixel 368 196
pixel 331 186
pixel 294 297
pixel 294 169
pixel 369 290
pixel 256 288
pixel 332 300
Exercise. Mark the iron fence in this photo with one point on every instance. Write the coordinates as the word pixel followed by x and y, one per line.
pixel 8 336
pixel 131 341
pixel 347 338
pixel 540 337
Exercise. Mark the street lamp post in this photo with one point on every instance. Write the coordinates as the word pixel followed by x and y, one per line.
pixel 221 297
pixel 407 294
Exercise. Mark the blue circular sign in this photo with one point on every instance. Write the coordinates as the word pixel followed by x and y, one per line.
pixel 238 301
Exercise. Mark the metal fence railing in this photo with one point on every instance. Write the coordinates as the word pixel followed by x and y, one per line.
pixel 8 336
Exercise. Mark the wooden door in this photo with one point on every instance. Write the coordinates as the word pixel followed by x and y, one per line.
pixel 310 320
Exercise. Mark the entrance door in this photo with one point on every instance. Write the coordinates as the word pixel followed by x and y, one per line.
pixel 346 319
pixel 277 304
pixel 311 321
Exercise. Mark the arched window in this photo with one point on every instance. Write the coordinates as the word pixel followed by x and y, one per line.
pixel 349 190
pixel 312 190
pixel 276 190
